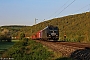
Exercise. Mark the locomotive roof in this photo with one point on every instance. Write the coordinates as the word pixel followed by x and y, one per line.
pixel 49 27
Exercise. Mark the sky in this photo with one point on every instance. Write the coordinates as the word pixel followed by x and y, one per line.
pixel 24 12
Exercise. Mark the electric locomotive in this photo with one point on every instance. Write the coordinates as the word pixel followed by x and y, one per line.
pixel 50 33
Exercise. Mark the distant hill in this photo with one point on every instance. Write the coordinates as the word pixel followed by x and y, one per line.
pixel 76 27
pixel 14 29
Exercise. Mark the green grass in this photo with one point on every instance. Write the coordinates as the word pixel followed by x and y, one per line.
pixel 6 45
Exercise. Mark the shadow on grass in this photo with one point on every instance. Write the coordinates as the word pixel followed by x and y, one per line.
pixel 81 54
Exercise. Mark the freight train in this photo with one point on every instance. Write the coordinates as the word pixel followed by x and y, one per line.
pixel 48 33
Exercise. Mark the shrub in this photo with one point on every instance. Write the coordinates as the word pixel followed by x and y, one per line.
pixel 30 51
pixel 22 35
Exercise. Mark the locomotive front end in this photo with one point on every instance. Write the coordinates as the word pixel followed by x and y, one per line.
pixel 53 33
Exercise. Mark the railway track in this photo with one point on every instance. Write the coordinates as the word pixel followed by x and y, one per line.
pixel 66 48
pixel 75 45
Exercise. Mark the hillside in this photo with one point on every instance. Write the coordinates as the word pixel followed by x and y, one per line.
pixel 76 27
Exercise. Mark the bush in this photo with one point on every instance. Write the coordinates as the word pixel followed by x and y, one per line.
pixel 30 51
pixel 5 38
pixel 22 35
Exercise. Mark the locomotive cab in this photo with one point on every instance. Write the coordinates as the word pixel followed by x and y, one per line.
pixel 53 33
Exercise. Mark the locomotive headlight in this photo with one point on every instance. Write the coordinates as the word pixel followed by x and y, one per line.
pixel 49 35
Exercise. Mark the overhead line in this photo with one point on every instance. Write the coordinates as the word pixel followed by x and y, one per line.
pixel 82 8
pixel 65 7
pixel 60 7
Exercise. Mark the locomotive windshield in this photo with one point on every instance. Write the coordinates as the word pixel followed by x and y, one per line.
pixel 55 28
pixel 50 28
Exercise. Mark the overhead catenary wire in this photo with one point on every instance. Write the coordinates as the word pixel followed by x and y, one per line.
pixel 66 7
pixel 59 8
pixel 82 8
pixel 88 8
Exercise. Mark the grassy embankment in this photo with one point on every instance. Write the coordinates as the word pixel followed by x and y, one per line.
pixel 31 50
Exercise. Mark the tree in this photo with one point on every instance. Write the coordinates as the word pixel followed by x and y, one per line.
pixel 5 35
pixel 22 35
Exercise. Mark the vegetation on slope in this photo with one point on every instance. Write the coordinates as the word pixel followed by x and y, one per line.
pixel 28 50
pixel 76 27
